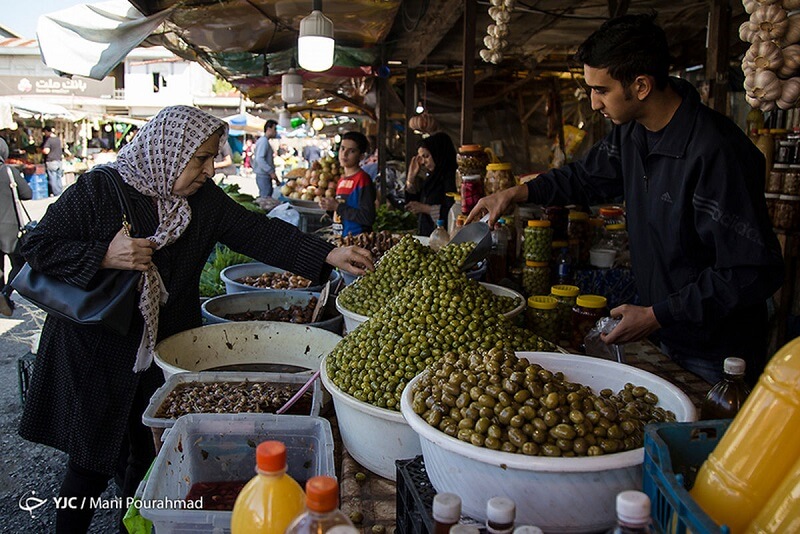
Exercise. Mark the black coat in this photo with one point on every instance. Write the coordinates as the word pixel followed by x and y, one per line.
pixel 83 384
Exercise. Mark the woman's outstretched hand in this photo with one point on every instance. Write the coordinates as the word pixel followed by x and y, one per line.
pixel 128 253
pixel 354 260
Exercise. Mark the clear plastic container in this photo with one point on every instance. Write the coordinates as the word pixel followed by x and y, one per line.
pixel 470 160
pixel 566 296
pixel 787 212
pixel 272 499
pixel 538 239
pixel 727 396
pixel 579 236
pixel 498 177
pixel 498 256
pixel 774 183
pixel 542 317
pixel 562 264
pixel 791 181
pixel 559 221
pixel 322 508
pixel 758 450
pixel 612 215
pixel 471 192
pixel 536 278
pixel 585 314
pixel 439 237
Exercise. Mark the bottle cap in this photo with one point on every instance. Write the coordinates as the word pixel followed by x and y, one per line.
pixel 542 302
pixel 538 223
pixel 591 301
pixel 563 290
pixel 501 221
pixel 446 508
pixel 322 494
pixel 500 510
pixel 734 366
pixel 633 507
pixel 611 212
pixel 271 456
pixel 527 529
pixel 440 222
pixel 342 529
pixel 578 216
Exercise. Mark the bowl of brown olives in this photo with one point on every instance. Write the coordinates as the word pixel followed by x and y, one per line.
pixel 560 433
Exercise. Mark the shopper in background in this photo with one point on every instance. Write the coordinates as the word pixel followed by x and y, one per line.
pixel 354 206
pixel 263 161
pixel 703 252
pixel 90 386
pixel 427 198
pixel 9 226
pixel 223 162
pixel 52 149
pixel 311 153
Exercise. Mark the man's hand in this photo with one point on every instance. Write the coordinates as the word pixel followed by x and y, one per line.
pixel 128 253
pixel 354 260
pixel 417 207
pixel 328 204
pixel 497 204
pixel 637 323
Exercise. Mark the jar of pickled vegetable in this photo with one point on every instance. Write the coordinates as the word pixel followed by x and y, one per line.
pixel 538 239
pixel 542 317
pixel 579 237
pixel 471 160
pixel 559 220
pixel 536 278
pixel 498 177
pixel 587 311
pixel 566 296
pixel 612 215
pixel 471 192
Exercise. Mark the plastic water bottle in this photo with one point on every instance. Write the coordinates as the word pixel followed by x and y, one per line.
pixel 500 515
pixel 271 499
pixel 322 508
pixel 439 237
pixel 728 395
pixel 446 512
pixel 499 254
pixel 633 513
pixel 759 448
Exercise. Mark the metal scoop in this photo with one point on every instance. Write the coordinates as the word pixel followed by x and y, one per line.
pixel 480 234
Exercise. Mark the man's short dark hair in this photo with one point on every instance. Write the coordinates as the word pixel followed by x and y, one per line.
pixel 269 124
pixel 48 129
pixel 359 138
pixel 629 46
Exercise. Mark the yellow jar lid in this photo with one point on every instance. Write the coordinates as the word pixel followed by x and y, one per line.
pixel 616 227
pixel 537 223
pixel 591 301
pixel 763 131
pixel 530 263
pixel 542 302
pixel 563 290
pixel 560 244
pixel 778 131
pixel 498 167
pixel 578 216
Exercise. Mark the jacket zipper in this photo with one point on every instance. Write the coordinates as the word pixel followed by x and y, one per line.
pixel 646 181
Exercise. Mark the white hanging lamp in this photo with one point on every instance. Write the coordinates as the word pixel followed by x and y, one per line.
pixel 315 43
pixel 284 119
pixel 292 87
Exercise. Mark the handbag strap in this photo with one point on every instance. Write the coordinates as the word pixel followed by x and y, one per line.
pixel 122 196
pixel 16 200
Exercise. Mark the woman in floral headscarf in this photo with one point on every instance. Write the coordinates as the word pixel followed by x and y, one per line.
pixel 90 386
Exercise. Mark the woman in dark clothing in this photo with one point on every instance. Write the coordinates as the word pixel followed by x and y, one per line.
pixel 90 385
pixel 10 179
pixel 429 199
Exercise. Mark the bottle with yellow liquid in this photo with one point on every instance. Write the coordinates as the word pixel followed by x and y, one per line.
pixel 782 511
pixel 272 499
pixel 758 450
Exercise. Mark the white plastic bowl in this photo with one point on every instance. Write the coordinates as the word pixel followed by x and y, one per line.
pixel 231 275
pixel 352 320
pixel 246 342
pixel 374 437
pixel 602 257
pixel 555 494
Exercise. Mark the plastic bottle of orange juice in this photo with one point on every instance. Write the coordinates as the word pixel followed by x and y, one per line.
pixel 272 499
pixel 759 448
pixel 782 511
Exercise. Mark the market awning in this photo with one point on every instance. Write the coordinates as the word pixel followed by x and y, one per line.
pixel 38 109
pixel 243 123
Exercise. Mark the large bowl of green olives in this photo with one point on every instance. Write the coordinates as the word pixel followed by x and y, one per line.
pixel 554 486
pixel 374 437
pixel 352 320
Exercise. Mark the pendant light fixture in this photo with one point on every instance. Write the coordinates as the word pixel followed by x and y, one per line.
pixel 292 87
pixel 284 120
pixel 315 43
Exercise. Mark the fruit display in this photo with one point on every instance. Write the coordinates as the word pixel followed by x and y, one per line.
pixel 378 243
pixel 320 180
pixel 496 400
pixel 280 280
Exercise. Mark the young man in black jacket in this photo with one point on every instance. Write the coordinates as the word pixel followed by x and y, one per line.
pixel 703 252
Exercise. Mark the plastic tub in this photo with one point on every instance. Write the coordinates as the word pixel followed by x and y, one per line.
pixel 352 320
pixel 374 437
pixel 221 447
pixel 602 257
pixel 555 494
pixel 242 343
pixel 215 309
pixel 230 275
pixel 158 424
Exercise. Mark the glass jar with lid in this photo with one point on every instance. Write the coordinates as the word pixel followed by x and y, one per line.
pixel 612 215
pixel 787 212
pixel 471 160
pixel 775 178
pixel 498 177
pixel 587 311
pixel 559 220
pixel 542 317
pixel 471 192
pixel 578 236
pixel 791 181
pixel 536 278
pixel 566 296
pixel 537 241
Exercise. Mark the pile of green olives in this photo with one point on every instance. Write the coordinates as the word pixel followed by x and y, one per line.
pixel 495 400
pixel 427 319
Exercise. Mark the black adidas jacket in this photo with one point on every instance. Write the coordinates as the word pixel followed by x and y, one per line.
pixel 702 248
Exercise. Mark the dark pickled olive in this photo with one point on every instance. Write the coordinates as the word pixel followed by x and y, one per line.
pixel 530 448
pixel 562 431
pixel 550 450
pixel 492 443
pixel 516 437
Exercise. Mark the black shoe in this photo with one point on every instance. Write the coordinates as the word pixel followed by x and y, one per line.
pixel 6 306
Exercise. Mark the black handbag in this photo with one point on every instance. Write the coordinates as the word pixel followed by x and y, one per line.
pixel 24 228
pixel 109 300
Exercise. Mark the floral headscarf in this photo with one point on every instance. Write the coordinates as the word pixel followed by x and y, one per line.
pixel 151 163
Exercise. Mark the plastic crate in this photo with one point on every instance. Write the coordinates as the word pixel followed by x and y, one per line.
pixel 414 497
pixel 221 447
pixel 673 453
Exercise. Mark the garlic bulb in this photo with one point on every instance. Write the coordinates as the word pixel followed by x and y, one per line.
pixel 790 4
pixel 790 93
pixel 763 55
pixel 752 5
pixel 791 61
pixel 771 20
pixel 792 34
pixel 763 85
pixel 748 32
pixel 486 55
